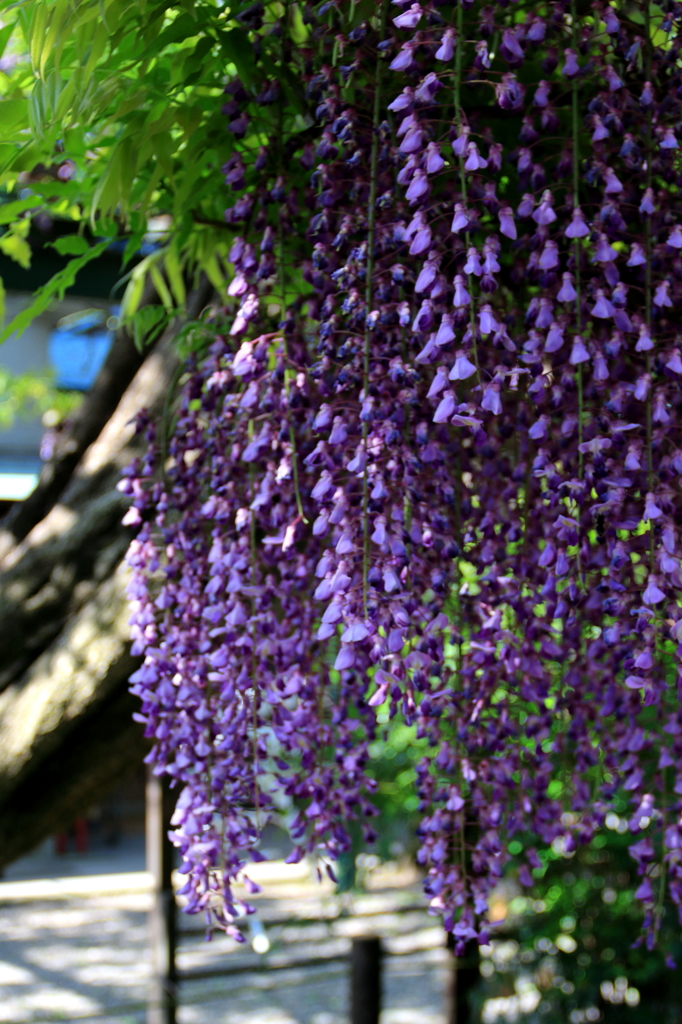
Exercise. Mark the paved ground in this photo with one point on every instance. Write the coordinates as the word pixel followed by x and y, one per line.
pixel 75 949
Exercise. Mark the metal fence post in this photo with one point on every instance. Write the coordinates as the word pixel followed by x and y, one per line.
pixel 365 981
pixel 462 977
pixel 159 854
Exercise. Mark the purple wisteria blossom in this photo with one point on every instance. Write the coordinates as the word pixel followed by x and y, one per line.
pixel 429 464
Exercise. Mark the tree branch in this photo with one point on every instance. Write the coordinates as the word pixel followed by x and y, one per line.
pixel 120 366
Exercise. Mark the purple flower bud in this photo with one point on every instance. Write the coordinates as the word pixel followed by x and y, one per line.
pixel 445 332
pixel 495 156
pixel 577 228
pixel 544 213
pixel 423 321
pixel 473 263
pixel 509 47
pixel 603 309
pixel 545 313
pixel 660 412
pixel 461 142
pixel 345 658
pixel 490 262
pixel 507 225
pixel 509 92
pixel 579 353
pixel 339 432
pixel 600 132
pixel 567 292
pixel 491 401
pixel 674 239
pixel 661 296
pixel 549 257
pixel 463 367
pixel 405 174
pixel 447 46
pixel 445 408
pixel 535 32
pixel 648 203
pixel 653 593
pixel 427 274
pixel 642 387
pixel 674 362
pixel 404 58
pixel 669 140
pixel 474 161
pixel 412 141
pixel 526 206
pixel 404 101
pixel 644 344
pixel 651 509
pixel 612 78
pixel 524 162
pixel 427 89
pixel 604 253
pixel 613 184
pixel 541 97
pixel 538 432
pixel 482 58
pixel 439 382
pixel 462 297
pixel 434 160
pixel 487 320
pixel 555 338
pixel 460 221
pixel 419 186
pixel 409 18
pixel 611 22
pixel 571 67
pixel 637 255
pixel 647 97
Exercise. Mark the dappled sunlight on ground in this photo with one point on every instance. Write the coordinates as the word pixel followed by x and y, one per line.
pixel 73 956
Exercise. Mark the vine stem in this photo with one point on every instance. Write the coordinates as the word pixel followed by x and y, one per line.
pixel 369 295
pixel 647 274
pixel 462 178
pixel 254 674
pixel 575 118
pixel 576 241
pixel 282 288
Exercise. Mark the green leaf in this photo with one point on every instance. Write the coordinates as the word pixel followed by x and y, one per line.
pixel 148 323
pixel 37 33
pixel 70 245
pixel 55 288
pixel 16 248
pixel 2 304
pixel 12 112
pixel 174 275
pixel 239 51
pixel 161 287
pixel 5 35
pixel 10 211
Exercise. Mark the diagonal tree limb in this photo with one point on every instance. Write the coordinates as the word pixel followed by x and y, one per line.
pixel 121 365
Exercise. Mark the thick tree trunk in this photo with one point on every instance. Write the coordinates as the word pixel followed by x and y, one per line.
pixel 66 727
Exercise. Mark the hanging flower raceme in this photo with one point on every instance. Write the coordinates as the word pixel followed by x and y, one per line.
pixel 444 483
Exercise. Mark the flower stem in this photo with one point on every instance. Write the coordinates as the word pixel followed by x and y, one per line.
pixel 576 241
pixel 282 288
pixel 371 225
pixel 462 178
pixel 647 275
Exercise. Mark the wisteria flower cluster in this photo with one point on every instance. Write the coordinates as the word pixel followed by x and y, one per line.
pixel 444 481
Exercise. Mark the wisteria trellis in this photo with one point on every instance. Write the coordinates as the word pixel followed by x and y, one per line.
pixel 449 478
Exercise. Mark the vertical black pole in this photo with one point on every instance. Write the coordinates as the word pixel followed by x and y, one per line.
pixel 365 981
pixel 463 974
pixel 163 994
